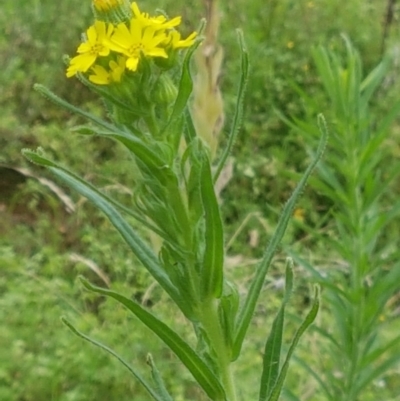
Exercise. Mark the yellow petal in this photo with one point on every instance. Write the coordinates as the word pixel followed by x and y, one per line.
pixel 135 9
pixel 157 52
pixel 172 23
pixel 91 35
pixel 101 76
pixel 132 63
pixel 121 36
pixel 100 29
pixel 84 48
pixel 83 62
pixel 136 30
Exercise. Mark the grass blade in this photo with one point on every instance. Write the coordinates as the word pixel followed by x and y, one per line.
pixel 159 382
pixel 237 118
pixel 247 310
pixel 200 371
pixel 142 381
pixel 185 88
pixel 212 269
pixel 273 345
pixel 135 242
pixel 317 377
pixel 306 323
pixel 48 94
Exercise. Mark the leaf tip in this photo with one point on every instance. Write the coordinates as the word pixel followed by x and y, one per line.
pixel 85 282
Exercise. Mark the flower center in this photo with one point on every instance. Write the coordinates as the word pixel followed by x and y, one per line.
pixel 135 50
pixel 97 48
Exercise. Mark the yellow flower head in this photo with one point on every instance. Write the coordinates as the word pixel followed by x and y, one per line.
pixel 137 41
pixel 101 76
pixel 94 46
pixel 105 5
pixel 159 22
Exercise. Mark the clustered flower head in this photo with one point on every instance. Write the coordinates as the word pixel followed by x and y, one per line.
pixel 108 50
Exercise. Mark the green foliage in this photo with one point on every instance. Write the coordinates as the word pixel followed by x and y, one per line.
pixel 355 178
pixel 39 360
pixel 191 270
pixel 35 36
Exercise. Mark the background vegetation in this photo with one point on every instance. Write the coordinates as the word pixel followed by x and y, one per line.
pixel 48 235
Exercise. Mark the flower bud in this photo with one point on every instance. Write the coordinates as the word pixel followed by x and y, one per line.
pixel 165 91
pixel 113 11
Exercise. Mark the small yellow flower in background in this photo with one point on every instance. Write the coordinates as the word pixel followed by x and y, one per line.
pixel 101 76
pixel 299 214
pixel 137 41
pixel 290 44
pixel 105 5
pixel 94 46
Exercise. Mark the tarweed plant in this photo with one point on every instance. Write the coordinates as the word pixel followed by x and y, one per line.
pixel 354 178
pixel 139 65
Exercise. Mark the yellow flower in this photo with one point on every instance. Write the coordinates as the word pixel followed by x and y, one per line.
pixel 105 5
pixel 290 44
pixel 103 77
pixel 299 214
pixel 159 22
pixel 94 46
pixel 176 42
pixel 137 41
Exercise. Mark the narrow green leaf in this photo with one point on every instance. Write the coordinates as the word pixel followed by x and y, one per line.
pixel 373 80
pixel 238 116
pixel 288 280
pixel 83 130
pixel 227 309
pixel 384 123
pixel 247 310
pixel 289 396
pixel 159 382
pixel 376 371
pixel 272 355
pixel 106 94
pixel 200 371
pixel 135 242
pixel 37 157
pixel 47 93
pixel 184 90
pixel 157 167
pixel 212 267
pixel 190 130
pixel 373 356
pixel 307 322
pixel 317 377
pixel 273 345
pixel 141 380
pixel 322 62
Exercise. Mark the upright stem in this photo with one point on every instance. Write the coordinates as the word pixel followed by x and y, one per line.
pixel 212 326
pixel 151 121
pixel 356 231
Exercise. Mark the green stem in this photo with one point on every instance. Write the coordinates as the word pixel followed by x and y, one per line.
pixel 151 122
pixel 358 227
pixel 210 320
